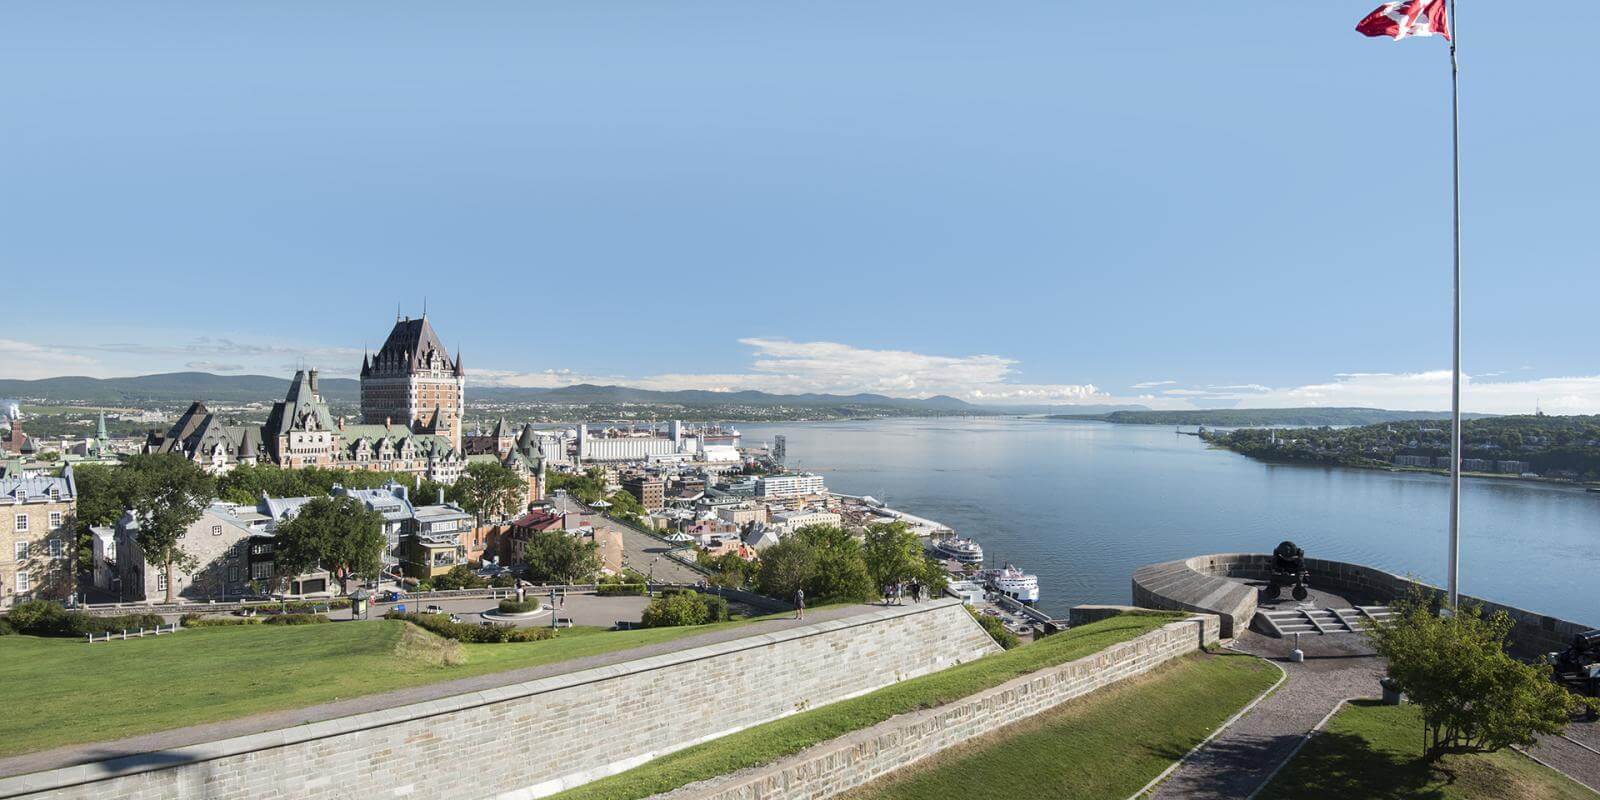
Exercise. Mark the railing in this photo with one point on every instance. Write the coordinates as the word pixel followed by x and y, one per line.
pixel 139 634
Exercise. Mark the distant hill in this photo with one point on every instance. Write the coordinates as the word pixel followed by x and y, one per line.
pixel 170 387
pixel 1268 417
pixel 183 387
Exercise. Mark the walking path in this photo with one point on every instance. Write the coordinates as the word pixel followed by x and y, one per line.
pixel 640 552
pixel 1244 757
pixel 182 737
pixel 1576 753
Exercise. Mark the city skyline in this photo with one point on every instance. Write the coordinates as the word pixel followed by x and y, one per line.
pixel 1034 207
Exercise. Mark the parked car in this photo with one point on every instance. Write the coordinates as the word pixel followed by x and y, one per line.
pixel 391 596
pixel 433 608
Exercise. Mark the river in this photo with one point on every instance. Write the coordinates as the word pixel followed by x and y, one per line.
pixel 1082 504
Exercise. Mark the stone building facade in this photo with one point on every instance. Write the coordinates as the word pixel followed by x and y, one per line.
pixel 38 549
pixel 412 381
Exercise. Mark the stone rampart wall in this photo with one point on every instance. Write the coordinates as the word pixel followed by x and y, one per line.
pixel 1197 584
pixel 849 761
pixel 531 739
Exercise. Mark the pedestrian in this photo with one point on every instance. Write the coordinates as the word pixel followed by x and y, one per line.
pixel 799 604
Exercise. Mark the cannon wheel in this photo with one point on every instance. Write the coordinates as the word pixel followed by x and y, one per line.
pixel 1273 591
pixel 1300 592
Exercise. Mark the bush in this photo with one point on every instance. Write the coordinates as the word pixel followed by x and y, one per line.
pixel 610 589
pixel 527 606
pixel 503 580
pixel 295 619
pixel 997 629
pixel 5 627
pixel 441 625
pixel 686 607
pixel 44 618
pixel 202 621
pixel 460 576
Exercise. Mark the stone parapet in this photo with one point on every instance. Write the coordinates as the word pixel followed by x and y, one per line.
pixel 841 764
pixel 530 739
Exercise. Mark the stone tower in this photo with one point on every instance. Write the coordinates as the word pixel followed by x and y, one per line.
pixel 413 381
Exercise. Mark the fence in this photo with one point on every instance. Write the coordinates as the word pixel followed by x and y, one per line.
pixel 139 634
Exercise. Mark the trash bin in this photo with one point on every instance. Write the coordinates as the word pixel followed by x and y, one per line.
pixel 1391 691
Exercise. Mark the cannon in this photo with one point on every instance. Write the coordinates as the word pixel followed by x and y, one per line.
pixel 1578 667
pixel 1288 569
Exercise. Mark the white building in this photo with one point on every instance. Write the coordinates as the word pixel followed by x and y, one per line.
pixel 791 521
pixel 800 484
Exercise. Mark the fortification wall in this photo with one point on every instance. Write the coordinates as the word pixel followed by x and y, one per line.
pixel 849 761
pixel 1201 584
pixel 531 739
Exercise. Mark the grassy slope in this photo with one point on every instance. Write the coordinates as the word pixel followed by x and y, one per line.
pixel 1107 744
pixel 106 691
pixel 768 742
pixel 1373 751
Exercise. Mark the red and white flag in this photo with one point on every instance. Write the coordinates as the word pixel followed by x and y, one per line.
pixel 1403 18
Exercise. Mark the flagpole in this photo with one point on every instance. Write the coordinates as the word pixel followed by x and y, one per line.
pixel 1455 376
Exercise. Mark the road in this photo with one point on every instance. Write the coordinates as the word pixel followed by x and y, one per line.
pixel 640 551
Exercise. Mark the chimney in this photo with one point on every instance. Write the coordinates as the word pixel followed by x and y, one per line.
pixel 311 378
pixel 441 495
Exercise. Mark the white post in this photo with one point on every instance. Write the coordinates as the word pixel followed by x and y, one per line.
pixel 1455 342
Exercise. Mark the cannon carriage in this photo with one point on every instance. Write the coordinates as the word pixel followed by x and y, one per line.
pixel 1578 667
pixel 1288 570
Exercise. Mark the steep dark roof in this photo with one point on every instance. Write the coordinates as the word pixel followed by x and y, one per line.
pixel 409 345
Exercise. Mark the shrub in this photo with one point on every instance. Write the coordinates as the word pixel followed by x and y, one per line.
pixel 202 621
pixel 527 606
pixel 460 576
pixel 503 580
pixel 677 609
pixel 5 627
pixel 295 619
pixel 312 606
pixel 610 589
pixel 44 618
pixel 997 629
pixel 441 625
pixel 716 608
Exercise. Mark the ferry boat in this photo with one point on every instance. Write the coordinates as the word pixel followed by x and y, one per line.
pixel 1013 583
pixel 963 550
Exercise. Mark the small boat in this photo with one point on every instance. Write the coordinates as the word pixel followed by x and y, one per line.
pixel 963 550
pixel 1013 583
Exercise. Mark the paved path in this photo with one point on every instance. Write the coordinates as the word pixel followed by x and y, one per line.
pixel 1576 753
pixel 640 551
pixel 180 737
pixel 1240 759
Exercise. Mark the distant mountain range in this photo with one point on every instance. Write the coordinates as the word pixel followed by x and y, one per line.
pixel 184 387
pixel 1268 417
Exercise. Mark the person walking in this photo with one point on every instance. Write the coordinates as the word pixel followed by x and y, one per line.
pixel 799 604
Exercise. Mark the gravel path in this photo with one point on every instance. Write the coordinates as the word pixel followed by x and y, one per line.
pixel 1241 759
pixel 1577 753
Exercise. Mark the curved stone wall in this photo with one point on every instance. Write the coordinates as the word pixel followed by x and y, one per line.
pixel 1202 583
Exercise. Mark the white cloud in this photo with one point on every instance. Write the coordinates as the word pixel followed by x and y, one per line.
pixel 1151 384
pixel 782 366
pixel 1430 391
pixel 29 361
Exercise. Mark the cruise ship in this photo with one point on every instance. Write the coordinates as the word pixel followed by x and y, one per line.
pixel 966 551
pixel 1013 583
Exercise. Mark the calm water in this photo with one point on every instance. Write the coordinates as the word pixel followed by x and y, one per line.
pixel 1082 504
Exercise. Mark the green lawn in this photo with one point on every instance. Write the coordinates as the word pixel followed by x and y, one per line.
pixel 97 692
pixel 1107 744
pixel 1372 750
pixel 773 740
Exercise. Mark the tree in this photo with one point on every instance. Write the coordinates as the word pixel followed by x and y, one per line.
pixel 460 576
pixel 674 610
pixel 729 569
pixel 1474 696
pixel 168 494
pixel 785 567
pixel 339 534
pixel 893 554
pixel 558 557
pixel 824 560
pixel 489 490
pixel 104 493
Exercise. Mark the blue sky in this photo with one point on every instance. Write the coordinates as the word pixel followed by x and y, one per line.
pixel 1242 204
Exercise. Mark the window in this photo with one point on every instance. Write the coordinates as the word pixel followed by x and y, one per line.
pixel 55 520
pixel 22 551
pixel 23 582
pixel 161 580
pixel 22 523
pixel 261 571
pixel 58 548
pixel 216 530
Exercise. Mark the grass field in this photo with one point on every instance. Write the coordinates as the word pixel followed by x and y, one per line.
pixel 1107 744
pixel 1372 750
pixel 773 740
pixel 90 693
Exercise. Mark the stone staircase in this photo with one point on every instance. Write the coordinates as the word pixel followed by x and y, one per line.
pixel 1318 621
